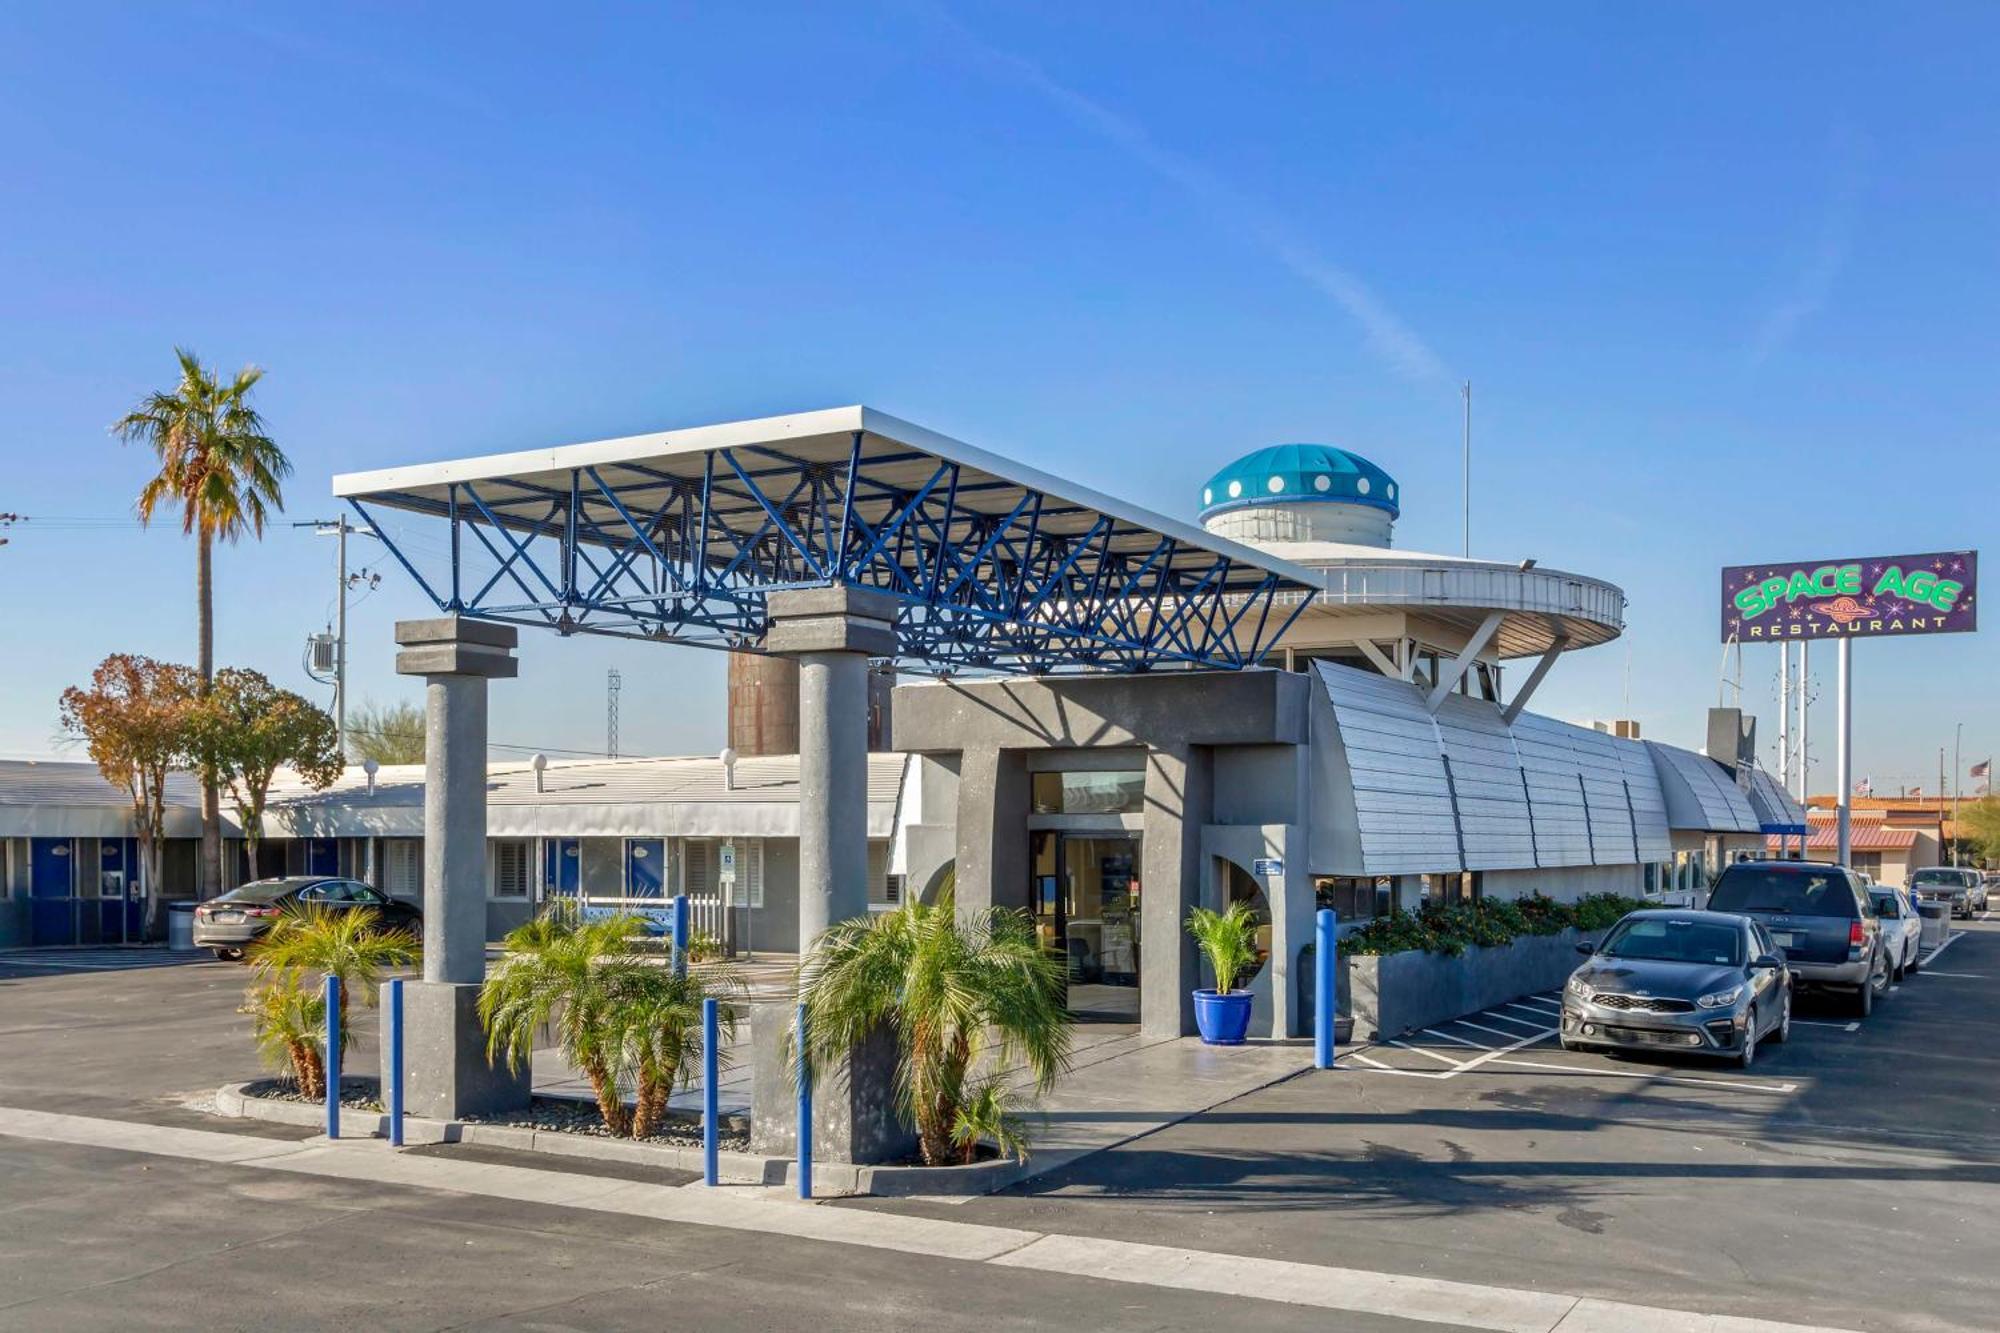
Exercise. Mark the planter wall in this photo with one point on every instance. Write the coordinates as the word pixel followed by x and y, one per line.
pixel 1390 994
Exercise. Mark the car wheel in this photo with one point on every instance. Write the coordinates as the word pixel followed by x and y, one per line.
pixel 1864 998
pixel 1916 963
pixel 228 955
pixel 1746 1055
pixel 1782 1033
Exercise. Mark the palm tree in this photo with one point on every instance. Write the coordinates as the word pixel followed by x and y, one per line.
pixel 223 473
pixel 347 942
pixel 559 971
pixel 956 992
pixel 288 1020
pixel 658 1019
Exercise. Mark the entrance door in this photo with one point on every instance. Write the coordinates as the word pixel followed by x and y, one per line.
pixel 1085 902
pixel 322 856
pixel 51 891
pixel 117 885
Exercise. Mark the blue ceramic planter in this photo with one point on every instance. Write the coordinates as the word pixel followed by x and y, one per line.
pixel 1222 1020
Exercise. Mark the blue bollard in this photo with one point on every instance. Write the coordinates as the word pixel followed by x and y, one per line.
pixel 805 1112
pixel 1325 1007
pixel 332 1061
pixel 392 1077
pixel 680 934
pixel 711 1107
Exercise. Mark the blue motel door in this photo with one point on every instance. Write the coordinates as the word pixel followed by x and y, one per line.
pixel 561 867
pixel 119 908
pixel 51 891
pixel 645 867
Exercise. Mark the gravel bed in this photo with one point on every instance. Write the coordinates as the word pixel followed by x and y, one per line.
pixel 356 1093
pixel 565 1116
pixel 558 1114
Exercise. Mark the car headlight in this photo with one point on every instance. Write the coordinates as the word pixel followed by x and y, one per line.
pixel 1721 999
pixel 1578 988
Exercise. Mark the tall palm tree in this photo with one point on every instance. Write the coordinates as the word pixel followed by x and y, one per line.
pixel 223 474
pixel 958 993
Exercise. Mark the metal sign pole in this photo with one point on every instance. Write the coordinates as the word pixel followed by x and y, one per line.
pixel 1844 751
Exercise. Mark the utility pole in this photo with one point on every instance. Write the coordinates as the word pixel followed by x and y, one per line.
pixel 1957 777
pixel 340 646
pixel 1466 461
pixel 1785 715
pixel 1843 745
pixel 613 682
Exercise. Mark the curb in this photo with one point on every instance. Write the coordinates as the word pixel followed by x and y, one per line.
pixel 830 1179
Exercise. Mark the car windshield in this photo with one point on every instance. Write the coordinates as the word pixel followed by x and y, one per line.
pixel 1673 940
pixel 1800 893
pixel 258 891
pixel 1954 878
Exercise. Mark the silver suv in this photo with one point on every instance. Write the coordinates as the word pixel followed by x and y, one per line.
pixel 1963 890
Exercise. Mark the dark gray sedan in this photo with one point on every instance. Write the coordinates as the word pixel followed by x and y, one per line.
pixel 1708 983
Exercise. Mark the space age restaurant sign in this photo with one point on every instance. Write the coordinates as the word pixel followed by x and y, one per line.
pixel 1871 597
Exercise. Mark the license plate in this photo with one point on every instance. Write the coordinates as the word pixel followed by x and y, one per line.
pixel 1785 939
pixel 230 918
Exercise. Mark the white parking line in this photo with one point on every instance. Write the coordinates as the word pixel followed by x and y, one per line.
pixel 1381 1068
pixel 1501 1033
pixel 1949 941
pixel 1745 1086
pixel 1539 1013
pixel 1822 1023
pixel 1420 1050
pixel 1543 1020
pixel 1958 976
pixel 1475 1045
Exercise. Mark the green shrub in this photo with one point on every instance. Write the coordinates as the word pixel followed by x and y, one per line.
pixel 1448 930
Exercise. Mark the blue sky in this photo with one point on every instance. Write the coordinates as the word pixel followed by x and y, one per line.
pixel 1724 281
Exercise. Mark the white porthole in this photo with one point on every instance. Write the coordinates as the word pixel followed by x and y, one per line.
pixel 1392 490
pixel 1208 495
pixel 1322 483
pixel 1235 489
pixel 1274 485
pixel 1361 484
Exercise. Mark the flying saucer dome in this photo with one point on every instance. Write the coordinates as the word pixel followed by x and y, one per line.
pixel 1296 473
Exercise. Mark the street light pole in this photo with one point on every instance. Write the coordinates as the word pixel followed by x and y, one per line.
pixel 1957 776
pixel 1466 463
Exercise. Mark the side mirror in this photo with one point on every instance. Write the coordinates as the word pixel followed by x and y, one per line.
pixel 1586 948
pixel 1767 963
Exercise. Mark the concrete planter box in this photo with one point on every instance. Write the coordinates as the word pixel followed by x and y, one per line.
pixel 1390 994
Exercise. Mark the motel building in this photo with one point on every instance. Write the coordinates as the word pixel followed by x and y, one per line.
pixel 1340 723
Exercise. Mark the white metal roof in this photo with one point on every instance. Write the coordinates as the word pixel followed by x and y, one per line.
pixel 676 797
pixel 823 436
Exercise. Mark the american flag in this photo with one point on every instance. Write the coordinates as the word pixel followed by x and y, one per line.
pixel 1865 787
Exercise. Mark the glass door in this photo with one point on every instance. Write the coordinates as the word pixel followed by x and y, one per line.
pixel 1085 902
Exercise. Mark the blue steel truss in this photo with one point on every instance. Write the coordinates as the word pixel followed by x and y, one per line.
pixel 992 576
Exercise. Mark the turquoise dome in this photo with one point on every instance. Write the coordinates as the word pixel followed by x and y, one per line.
pixel 1290 473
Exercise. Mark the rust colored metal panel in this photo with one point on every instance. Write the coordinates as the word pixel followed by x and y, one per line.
pixel 763 705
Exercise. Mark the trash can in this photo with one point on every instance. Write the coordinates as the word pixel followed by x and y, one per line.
pixel 1937 925
pixel 180 927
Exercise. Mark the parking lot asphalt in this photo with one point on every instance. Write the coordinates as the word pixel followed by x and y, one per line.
pixel 1850 1179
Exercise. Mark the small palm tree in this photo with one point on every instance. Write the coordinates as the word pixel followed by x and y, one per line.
pixel 349 943
pixel 288 1020
pixel 224 475
pixel 658 1019
pixel 1228 939
pixel 561 972
pixel 956 992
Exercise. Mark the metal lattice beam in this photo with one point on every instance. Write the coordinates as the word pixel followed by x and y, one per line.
pixel 993 575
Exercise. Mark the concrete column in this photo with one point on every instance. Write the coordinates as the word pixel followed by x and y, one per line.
pixel 1179 786
pixel 992 861
pixel 446 1048
pixel 832 632
pixel 833 790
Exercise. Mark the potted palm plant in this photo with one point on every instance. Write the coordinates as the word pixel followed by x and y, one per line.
pixel 1228 940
